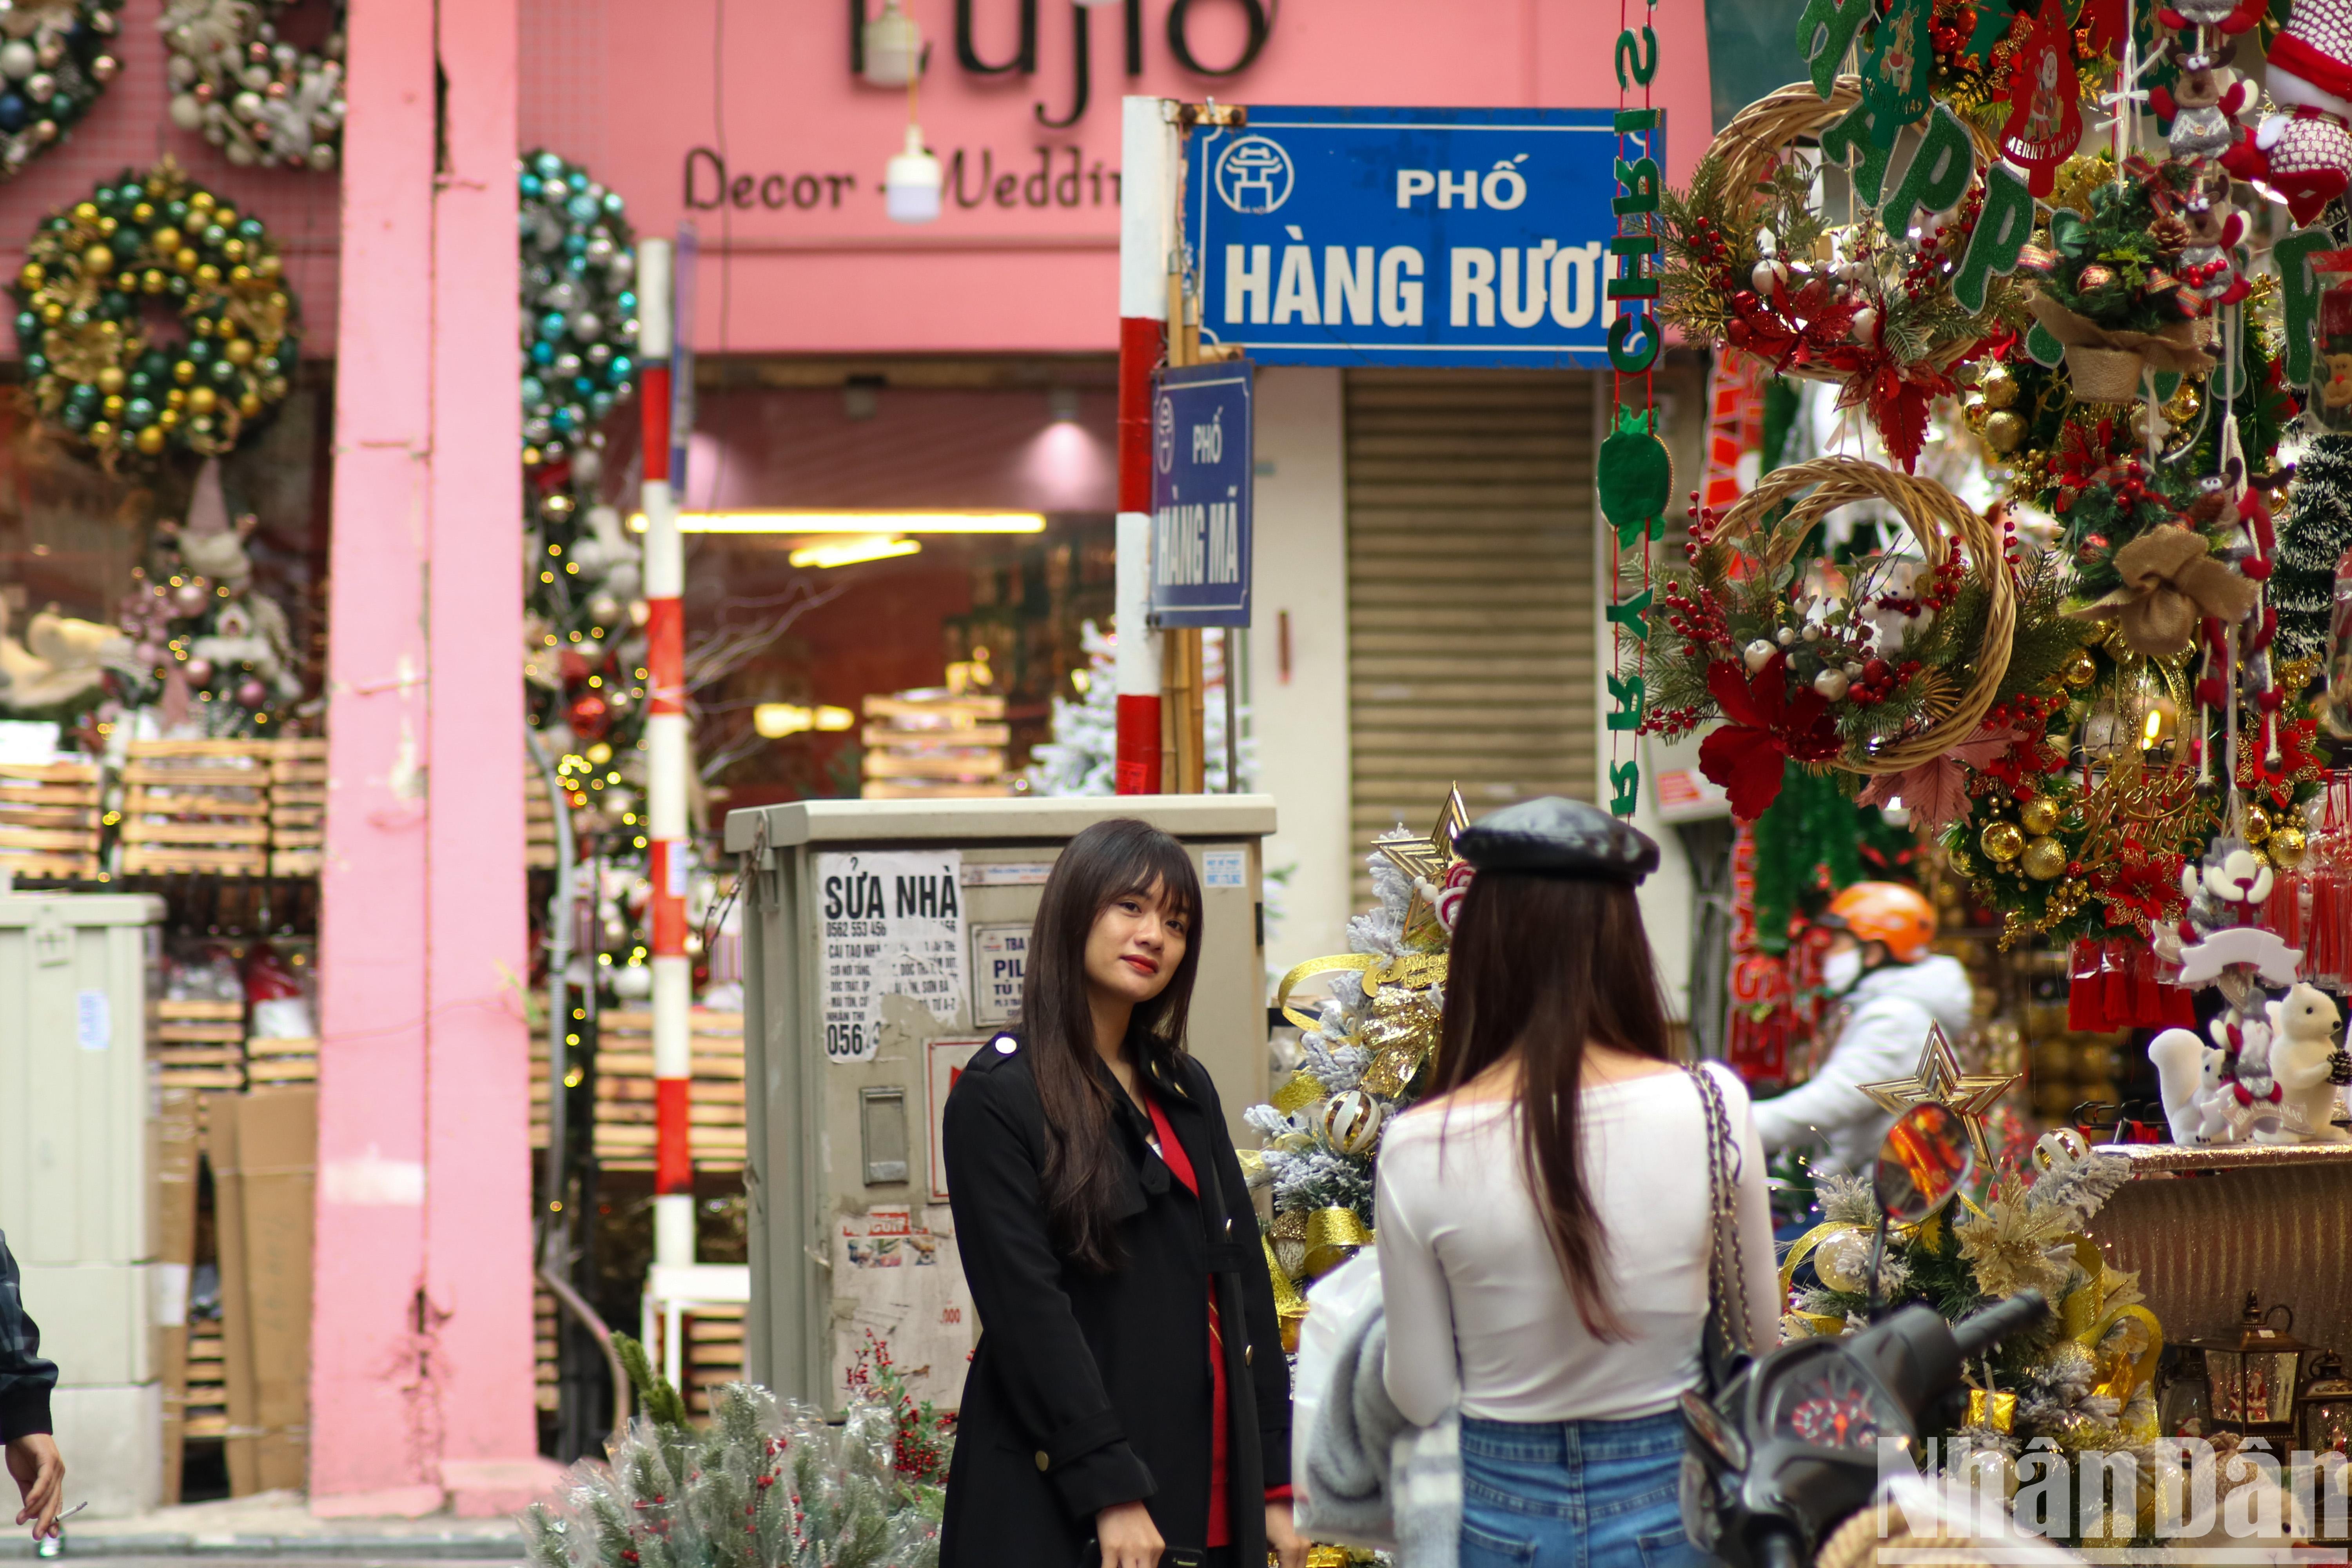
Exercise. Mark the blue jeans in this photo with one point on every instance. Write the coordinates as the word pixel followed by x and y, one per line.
pixel 1573 1494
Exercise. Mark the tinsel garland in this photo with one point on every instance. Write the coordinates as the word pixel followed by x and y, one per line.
pixel 2314 537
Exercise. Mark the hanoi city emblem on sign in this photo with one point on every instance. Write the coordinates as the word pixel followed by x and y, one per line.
pixel 1163 434
pixel 1254 175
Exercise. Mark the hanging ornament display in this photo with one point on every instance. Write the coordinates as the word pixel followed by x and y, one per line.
pixel 584 655
pixel 56 58
pixel 2045 114
pixel 249 92
pixel 96 298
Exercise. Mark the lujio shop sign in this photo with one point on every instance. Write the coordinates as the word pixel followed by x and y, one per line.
pixel 1409 236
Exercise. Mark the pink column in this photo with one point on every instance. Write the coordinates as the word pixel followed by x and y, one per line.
pixel 421 1363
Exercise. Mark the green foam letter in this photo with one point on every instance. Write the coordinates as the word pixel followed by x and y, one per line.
pixel 2003 228
pixel 1938 175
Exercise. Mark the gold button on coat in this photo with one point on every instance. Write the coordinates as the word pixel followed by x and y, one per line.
pixel 1041 1461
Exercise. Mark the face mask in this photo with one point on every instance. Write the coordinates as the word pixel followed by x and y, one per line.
pixel 1841 970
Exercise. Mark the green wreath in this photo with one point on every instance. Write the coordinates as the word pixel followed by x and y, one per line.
pixel 96 277
pixel 56 58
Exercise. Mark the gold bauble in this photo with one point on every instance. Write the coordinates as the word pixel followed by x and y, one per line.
pixel 234 249
pixel 52 311
pixel 168 418
pixel 165 240
pixel 2287 847
pixel 150 439
pixel 2081 670
pixel 2038 814
pixel 238 350
pixel 1974 416
pixel 201 400
pixel 2044 858
pixel 2002 841
pixel 2000 389
pixel 153 282
pixel 200 201
pixel 249 405
pixel 28 277
pixel 226 216
pixel 109 379
pixel 177 398
pixel 185 258
pixel 101 434
pixel 2182 407
pixel 267 267
pixel 184 371
pixel 113 407
pixel 2257 825
pixel 208 275
pixel 143 213
pixel 86 212
pixel 2004 432
pixel 97 260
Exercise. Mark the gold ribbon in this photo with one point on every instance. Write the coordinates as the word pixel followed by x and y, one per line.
pixel 1333 1234
pixel 1337 963
pixel 1289 1306
pixel 1298 1091
pixel 1803 1249
pixel 1253 1165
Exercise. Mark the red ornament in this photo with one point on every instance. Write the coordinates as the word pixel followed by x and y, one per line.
pixel 2045 117
pixel 1763 728
pixel 574 665
pixel 589 717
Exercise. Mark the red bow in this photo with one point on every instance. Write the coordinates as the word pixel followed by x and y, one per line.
pixel 1763 727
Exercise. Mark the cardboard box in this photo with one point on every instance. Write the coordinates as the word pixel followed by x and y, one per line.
pixel 175 1159
pixel 264 1149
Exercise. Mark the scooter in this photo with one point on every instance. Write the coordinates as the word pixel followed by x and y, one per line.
pixel 1789 1448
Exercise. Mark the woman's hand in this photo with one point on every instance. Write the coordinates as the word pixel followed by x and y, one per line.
pixel 1129 1540
pixel 1289 1547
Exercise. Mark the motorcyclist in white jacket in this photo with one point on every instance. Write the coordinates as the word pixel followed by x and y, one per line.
pixel 1891 989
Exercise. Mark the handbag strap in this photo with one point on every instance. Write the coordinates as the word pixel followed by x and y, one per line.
pixel 1724 1253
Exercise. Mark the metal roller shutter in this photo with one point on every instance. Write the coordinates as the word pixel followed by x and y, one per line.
pixel 1471 648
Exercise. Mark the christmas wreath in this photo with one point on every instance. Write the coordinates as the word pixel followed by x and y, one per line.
pixel 580 310
pixel 257 98
pixel 1883 665
pixel 55 61
pixel 1754 263
pixel 96 281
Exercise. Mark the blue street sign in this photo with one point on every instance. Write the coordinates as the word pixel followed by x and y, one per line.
pixel 1201 467
pixel 1409 236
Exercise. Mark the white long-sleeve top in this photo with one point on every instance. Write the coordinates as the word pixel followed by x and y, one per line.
pixel 1478 1310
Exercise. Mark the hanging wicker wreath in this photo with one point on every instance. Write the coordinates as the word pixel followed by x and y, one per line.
pixel 1754 264
pixel 1870 668
pixel 256 97
pixel 100 365
pixel 56 58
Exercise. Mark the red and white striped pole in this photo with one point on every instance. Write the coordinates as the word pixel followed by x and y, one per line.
pixel 1148 151
pixel 666 749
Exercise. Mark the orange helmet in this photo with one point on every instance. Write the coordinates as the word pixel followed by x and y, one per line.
pixel 1887 912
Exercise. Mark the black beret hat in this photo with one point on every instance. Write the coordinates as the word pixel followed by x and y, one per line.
pixel 1559 838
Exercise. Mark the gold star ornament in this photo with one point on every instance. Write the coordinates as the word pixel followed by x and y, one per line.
pixel 1425 861
pixel 1938 1080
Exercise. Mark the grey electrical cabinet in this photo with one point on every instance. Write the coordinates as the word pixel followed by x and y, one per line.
pixel 75 1172
pixel 884 943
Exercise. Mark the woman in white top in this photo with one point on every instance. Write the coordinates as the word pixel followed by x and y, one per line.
pixel 1544 1222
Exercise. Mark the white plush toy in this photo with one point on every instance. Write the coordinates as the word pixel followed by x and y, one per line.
pixel 2188 1075
pixel 2303 1053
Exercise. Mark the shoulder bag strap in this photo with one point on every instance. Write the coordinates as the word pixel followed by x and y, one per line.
pixel 1726 1269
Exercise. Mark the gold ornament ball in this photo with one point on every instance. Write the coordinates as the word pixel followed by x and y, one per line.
pixel 2000 389
pixel 97 260
pixel 113 407
pixel 150 439
pixel 29 276
pixel 2258 825
pixel 238 350
pixel 184 371
pixel 166 240
pixel 101 434
pixel 109 379
pixel 185 258
pixel 153 282
pixel 2080 670
pixel 208 275
pixel 2002 841
pixel 249 405
pixel 2039 815
pixel 86 212
pixel 2044 858
pixel 2287 847
pixel 201 400
pixel 2183 406
pixel 198 202
pixel 2004 432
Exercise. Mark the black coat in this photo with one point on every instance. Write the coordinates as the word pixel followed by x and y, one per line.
pixel 1090 1389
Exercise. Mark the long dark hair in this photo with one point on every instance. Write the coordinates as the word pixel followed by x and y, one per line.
pixel 1106 862
pixel 1543 966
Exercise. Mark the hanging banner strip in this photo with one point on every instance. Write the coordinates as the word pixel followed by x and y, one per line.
pixel 1633 473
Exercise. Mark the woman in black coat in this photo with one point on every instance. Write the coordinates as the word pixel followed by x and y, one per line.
pixel 1113 1254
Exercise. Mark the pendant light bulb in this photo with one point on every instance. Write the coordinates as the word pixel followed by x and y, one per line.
pixel 894 48
pixel 911 186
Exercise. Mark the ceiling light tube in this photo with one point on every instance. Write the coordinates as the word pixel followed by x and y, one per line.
pixel 782 520
pixel 850 551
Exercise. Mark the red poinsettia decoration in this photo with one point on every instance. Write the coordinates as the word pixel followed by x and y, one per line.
pixel 1763 728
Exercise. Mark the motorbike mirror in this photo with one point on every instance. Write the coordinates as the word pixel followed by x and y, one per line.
pixel 1926 1158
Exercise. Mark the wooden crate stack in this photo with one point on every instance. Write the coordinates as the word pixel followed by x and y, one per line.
pixel 49 820
pixel 546 1325
pixel 197 1045
pixel 714 1354
pixel 196 805
pixel 538 823
pixel 624 1091
pixel 206 1410
pixel 281 1061
pixel 297 807
pixel 935 745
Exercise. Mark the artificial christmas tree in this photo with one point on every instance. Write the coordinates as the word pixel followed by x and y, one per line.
pixel 1079 759
pixel 2313 538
